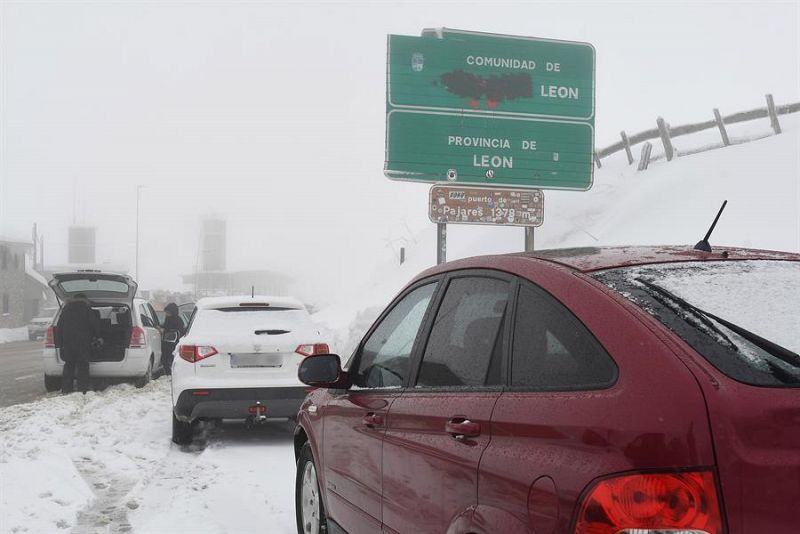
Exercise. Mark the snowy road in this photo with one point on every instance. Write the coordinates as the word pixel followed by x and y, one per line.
pixel 21 372
pixel 104 463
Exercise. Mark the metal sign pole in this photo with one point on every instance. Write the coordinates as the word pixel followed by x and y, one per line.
pixel 441 243
pixel 529 238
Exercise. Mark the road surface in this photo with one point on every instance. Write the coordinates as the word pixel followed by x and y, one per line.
pixel 21 372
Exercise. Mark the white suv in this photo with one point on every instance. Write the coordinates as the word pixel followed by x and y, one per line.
pixel 128 326
pixel 239 360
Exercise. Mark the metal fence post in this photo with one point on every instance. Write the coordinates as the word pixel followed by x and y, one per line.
pixel 721 125
pixel 529 238
pixel 663 129
pixel 773 115
pixel 441 243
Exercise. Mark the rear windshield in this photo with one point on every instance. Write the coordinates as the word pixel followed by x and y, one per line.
pixel 84 285
pixel 742 316
pixel 265 321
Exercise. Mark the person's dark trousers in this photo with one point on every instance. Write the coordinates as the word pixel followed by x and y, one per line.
pixel 167 356
pixel 76 361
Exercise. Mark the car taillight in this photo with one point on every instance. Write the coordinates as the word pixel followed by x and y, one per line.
pixel 652 503
pixel 195 353
pixel 138 339
pixel 312 349
pixel 50 337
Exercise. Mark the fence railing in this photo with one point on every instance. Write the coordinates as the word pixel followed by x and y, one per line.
pixel 666 132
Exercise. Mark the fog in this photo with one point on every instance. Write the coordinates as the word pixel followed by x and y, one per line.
pixel 271 115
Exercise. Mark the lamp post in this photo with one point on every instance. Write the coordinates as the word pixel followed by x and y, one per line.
pixel 136 272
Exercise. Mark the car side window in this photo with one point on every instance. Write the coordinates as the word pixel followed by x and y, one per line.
pixel 385 355
pixel 466 344
pixel 153 315
pixel 144 315
pixel 553 350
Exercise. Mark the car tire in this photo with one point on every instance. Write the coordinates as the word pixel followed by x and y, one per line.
pixel 142 381
pixel 182 433
pixel 52 383
pixel 309 510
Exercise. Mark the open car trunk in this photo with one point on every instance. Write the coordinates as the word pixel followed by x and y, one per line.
pixel 115 331
pixel 113 322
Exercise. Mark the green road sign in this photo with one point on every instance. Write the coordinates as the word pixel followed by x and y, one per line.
pixel 487 150
pixel 485 73
pixel 488 109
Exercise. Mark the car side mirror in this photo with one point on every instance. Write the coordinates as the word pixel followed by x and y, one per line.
pixel 323 371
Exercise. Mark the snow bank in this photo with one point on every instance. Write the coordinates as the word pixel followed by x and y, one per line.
pixel 7 335
pixel 104 462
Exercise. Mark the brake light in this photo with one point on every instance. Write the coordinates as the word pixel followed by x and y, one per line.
pixel 138 339
pixel 313 349
pixel 50 337
pixel 650 503
pixel 195 353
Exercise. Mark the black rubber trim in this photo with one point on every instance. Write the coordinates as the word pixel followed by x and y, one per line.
pixel 234 403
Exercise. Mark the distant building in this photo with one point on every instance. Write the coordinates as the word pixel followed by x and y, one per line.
pixel 23 290
pixel 219 283
pixel 81 244
pixel 213 245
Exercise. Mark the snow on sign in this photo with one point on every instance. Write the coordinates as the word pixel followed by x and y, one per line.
pixel 486 205
pixel 485 109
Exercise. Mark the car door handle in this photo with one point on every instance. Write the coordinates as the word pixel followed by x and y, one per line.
pixel 372 420
pixel 461 428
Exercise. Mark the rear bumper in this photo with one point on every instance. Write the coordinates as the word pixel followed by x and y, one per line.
pixel 134 365
pixel 234 403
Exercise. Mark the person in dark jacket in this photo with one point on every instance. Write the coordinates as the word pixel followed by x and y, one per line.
pixel 77 329
pixel 172 323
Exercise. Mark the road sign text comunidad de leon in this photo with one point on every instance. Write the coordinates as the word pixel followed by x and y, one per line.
pixel 490 110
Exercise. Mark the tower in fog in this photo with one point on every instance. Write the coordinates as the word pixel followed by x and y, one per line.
pixel 213 245
pixel 81 244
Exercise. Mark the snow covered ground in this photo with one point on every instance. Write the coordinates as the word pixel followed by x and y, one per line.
pixel 7 335
pixel 104 463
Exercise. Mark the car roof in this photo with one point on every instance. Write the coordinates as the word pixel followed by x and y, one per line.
pixel 212 303
pixel 590 259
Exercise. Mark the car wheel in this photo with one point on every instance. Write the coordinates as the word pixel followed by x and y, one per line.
pixel 52 383
pixel 309 510
pixel 182 433
pixel 148 375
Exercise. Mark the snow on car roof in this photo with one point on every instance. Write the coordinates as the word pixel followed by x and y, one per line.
pixel 589 259
pixel 214 303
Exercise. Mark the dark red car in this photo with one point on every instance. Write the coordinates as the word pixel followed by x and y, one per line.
pixel 588 391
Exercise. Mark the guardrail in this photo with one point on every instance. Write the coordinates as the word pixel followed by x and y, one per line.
pixel 666 132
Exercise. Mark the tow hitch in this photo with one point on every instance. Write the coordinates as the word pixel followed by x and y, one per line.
pixel 257 414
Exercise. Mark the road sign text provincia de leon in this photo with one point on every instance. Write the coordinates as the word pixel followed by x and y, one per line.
pixel 490 110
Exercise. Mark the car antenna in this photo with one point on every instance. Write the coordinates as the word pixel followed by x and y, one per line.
pixel 703 244
pixel 252 292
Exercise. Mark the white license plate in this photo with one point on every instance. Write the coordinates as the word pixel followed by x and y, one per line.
pixel 256 360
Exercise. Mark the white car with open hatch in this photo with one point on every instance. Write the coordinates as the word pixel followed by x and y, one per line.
pixel 127 325
pixel 239 360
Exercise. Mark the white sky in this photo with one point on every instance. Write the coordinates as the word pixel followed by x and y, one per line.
pixel 272 114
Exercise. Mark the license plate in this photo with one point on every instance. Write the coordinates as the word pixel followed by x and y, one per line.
pixel 256 360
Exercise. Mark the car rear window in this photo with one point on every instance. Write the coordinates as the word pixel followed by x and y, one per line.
pixel 742 316
pixel 85 285
pixel 248 321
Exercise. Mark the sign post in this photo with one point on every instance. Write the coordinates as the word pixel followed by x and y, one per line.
pixel 507 113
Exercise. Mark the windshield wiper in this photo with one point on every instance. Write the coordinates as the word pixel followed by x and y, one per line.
pixel 782 353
